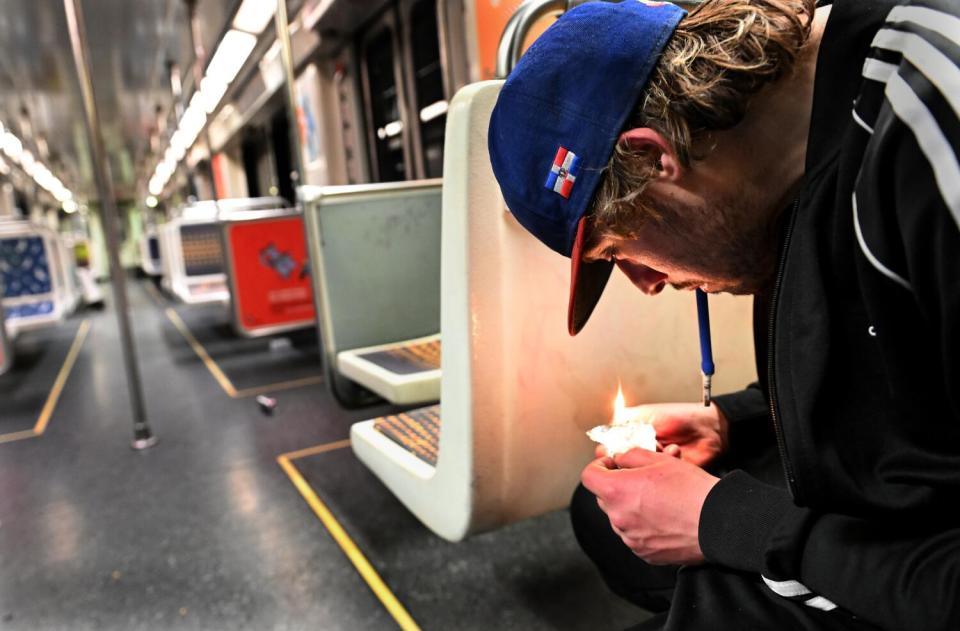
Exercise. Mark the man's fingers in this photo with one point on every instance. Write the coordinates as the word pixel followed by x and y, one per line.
pixel 672 450
pixel 636 458
pixel 595 475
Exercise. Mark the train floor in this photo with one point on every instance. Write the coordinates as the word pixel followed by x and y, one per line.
pixel 216 527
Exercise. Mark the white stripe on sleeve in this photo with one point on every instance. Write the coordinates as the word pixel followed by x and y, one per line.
pixel 911 110
pixel 819 602
pixel 936 21
pixel 877 70
pixel 787 589
pixel 880 267
pixel 860 121
pixel 935 66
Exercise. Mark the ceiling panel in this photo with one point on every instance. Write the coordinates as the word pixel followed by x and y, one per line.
pixel 130 43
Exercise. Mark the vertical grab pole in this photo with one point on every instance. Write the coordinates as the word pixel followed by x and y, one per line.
pixel 286 56
pixel 142 436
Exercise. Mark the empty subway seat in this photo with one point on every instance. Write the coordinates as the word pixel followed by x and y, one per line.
pixel 191 248
pixel 517 393
pixel 150 261
pixel 375 251
pixel 268 270
pixel 32 276
pixel 405 372
pixel 193 260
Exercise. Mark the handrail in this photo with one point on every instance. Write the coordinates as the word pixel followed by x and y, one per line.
pixel 515 32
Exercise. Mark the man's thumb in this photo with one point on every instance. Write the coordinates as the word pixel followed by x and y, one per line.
pixel 636 457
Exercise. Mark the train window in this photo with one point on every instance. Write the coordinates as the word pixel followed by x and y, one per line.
pixel 383 96
pixel 430 106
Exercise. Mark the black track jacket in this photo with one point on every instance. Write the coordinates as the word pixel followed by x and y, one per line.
pixel 863 349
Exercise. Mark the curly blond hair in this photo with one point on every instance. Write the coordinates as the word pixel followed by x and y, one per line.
pixel 720 55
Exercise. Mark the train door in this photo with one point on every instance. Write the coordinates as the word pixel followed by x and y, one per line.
pixel 423 76
pixel 385 102
pixel 405 96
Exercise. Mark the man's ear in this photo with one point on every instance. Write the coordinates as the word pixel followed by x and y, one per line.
pixel 643 140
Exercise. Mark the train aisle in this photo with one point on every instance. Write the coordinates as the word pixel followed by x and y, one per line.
pixel 208 531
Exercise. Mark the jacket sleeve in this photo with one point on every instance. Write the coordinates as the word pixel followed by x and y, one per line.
pixel 745 406
pixel 902 575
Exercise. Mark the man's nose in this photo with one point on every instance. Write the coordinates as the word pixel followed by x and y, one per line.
pixel 646 279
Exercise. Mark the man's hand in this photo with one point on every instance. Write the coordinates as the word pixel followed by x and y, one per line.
pixel 700 432
pixel 653 501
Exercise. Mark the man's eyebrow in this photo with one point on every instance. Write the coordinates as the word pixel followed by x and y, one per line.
pixel 608 252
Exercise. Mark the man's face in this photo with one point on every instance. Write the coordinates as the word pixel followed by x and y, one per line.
pixel 718 246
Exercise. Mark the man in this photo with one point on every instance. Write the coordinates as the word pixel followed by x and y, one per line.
pixel 810 157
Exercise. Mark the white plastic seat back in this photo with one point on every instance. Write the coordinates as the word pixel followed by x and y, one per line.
pixel 268 271
pixel 32 276
pixel 6 353
pixel 517 392
pixel 195 261
pixel 150 261
pixel 375 251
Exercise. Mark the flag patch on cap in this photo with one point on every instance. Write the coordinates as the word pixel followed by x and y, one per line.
pixel 563 172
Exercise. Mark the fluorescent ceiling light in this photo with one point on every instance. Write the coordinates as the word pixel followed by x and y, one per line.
pixel 211 91
pixel 272 53
pixel 192 122
pixel 70 206
pixel 177 142
pixel 12 146
pixel 231 54
pixel 27 162
pixel 155 187
pixel 433 110
pixel 254 15
pixel 179 152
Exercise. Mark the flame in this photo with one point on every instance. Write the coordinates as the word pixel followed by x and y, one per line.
pixel 619 406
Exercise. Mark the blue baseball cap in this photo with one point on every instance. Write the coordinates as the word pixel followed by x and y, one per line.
pixel 558 118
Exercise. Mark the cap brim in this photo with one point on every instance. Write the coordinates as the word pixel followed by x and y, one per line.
pixel 587 281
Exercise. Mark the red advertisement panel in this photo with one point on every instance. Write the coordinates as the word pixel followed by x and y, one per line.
pixel 271 273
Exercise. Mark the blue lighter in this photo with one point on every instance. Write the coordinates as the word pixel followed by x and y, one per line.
pixel 706 349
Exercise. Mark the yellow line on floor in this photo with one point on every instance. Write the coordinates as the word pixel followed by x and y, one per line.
pixel 313 451
pixel 220 376
pixel 15 436
pixel 155 295
pixel 360 562
pixel 201 352
pixel 283 385
pixel 51 403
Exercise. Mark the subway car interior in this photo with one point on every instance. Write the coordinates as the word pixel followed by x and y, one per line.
pixel 274 354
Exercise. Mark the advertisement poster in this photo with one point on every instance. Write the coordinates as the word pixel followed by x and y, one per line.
pixel 271 274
